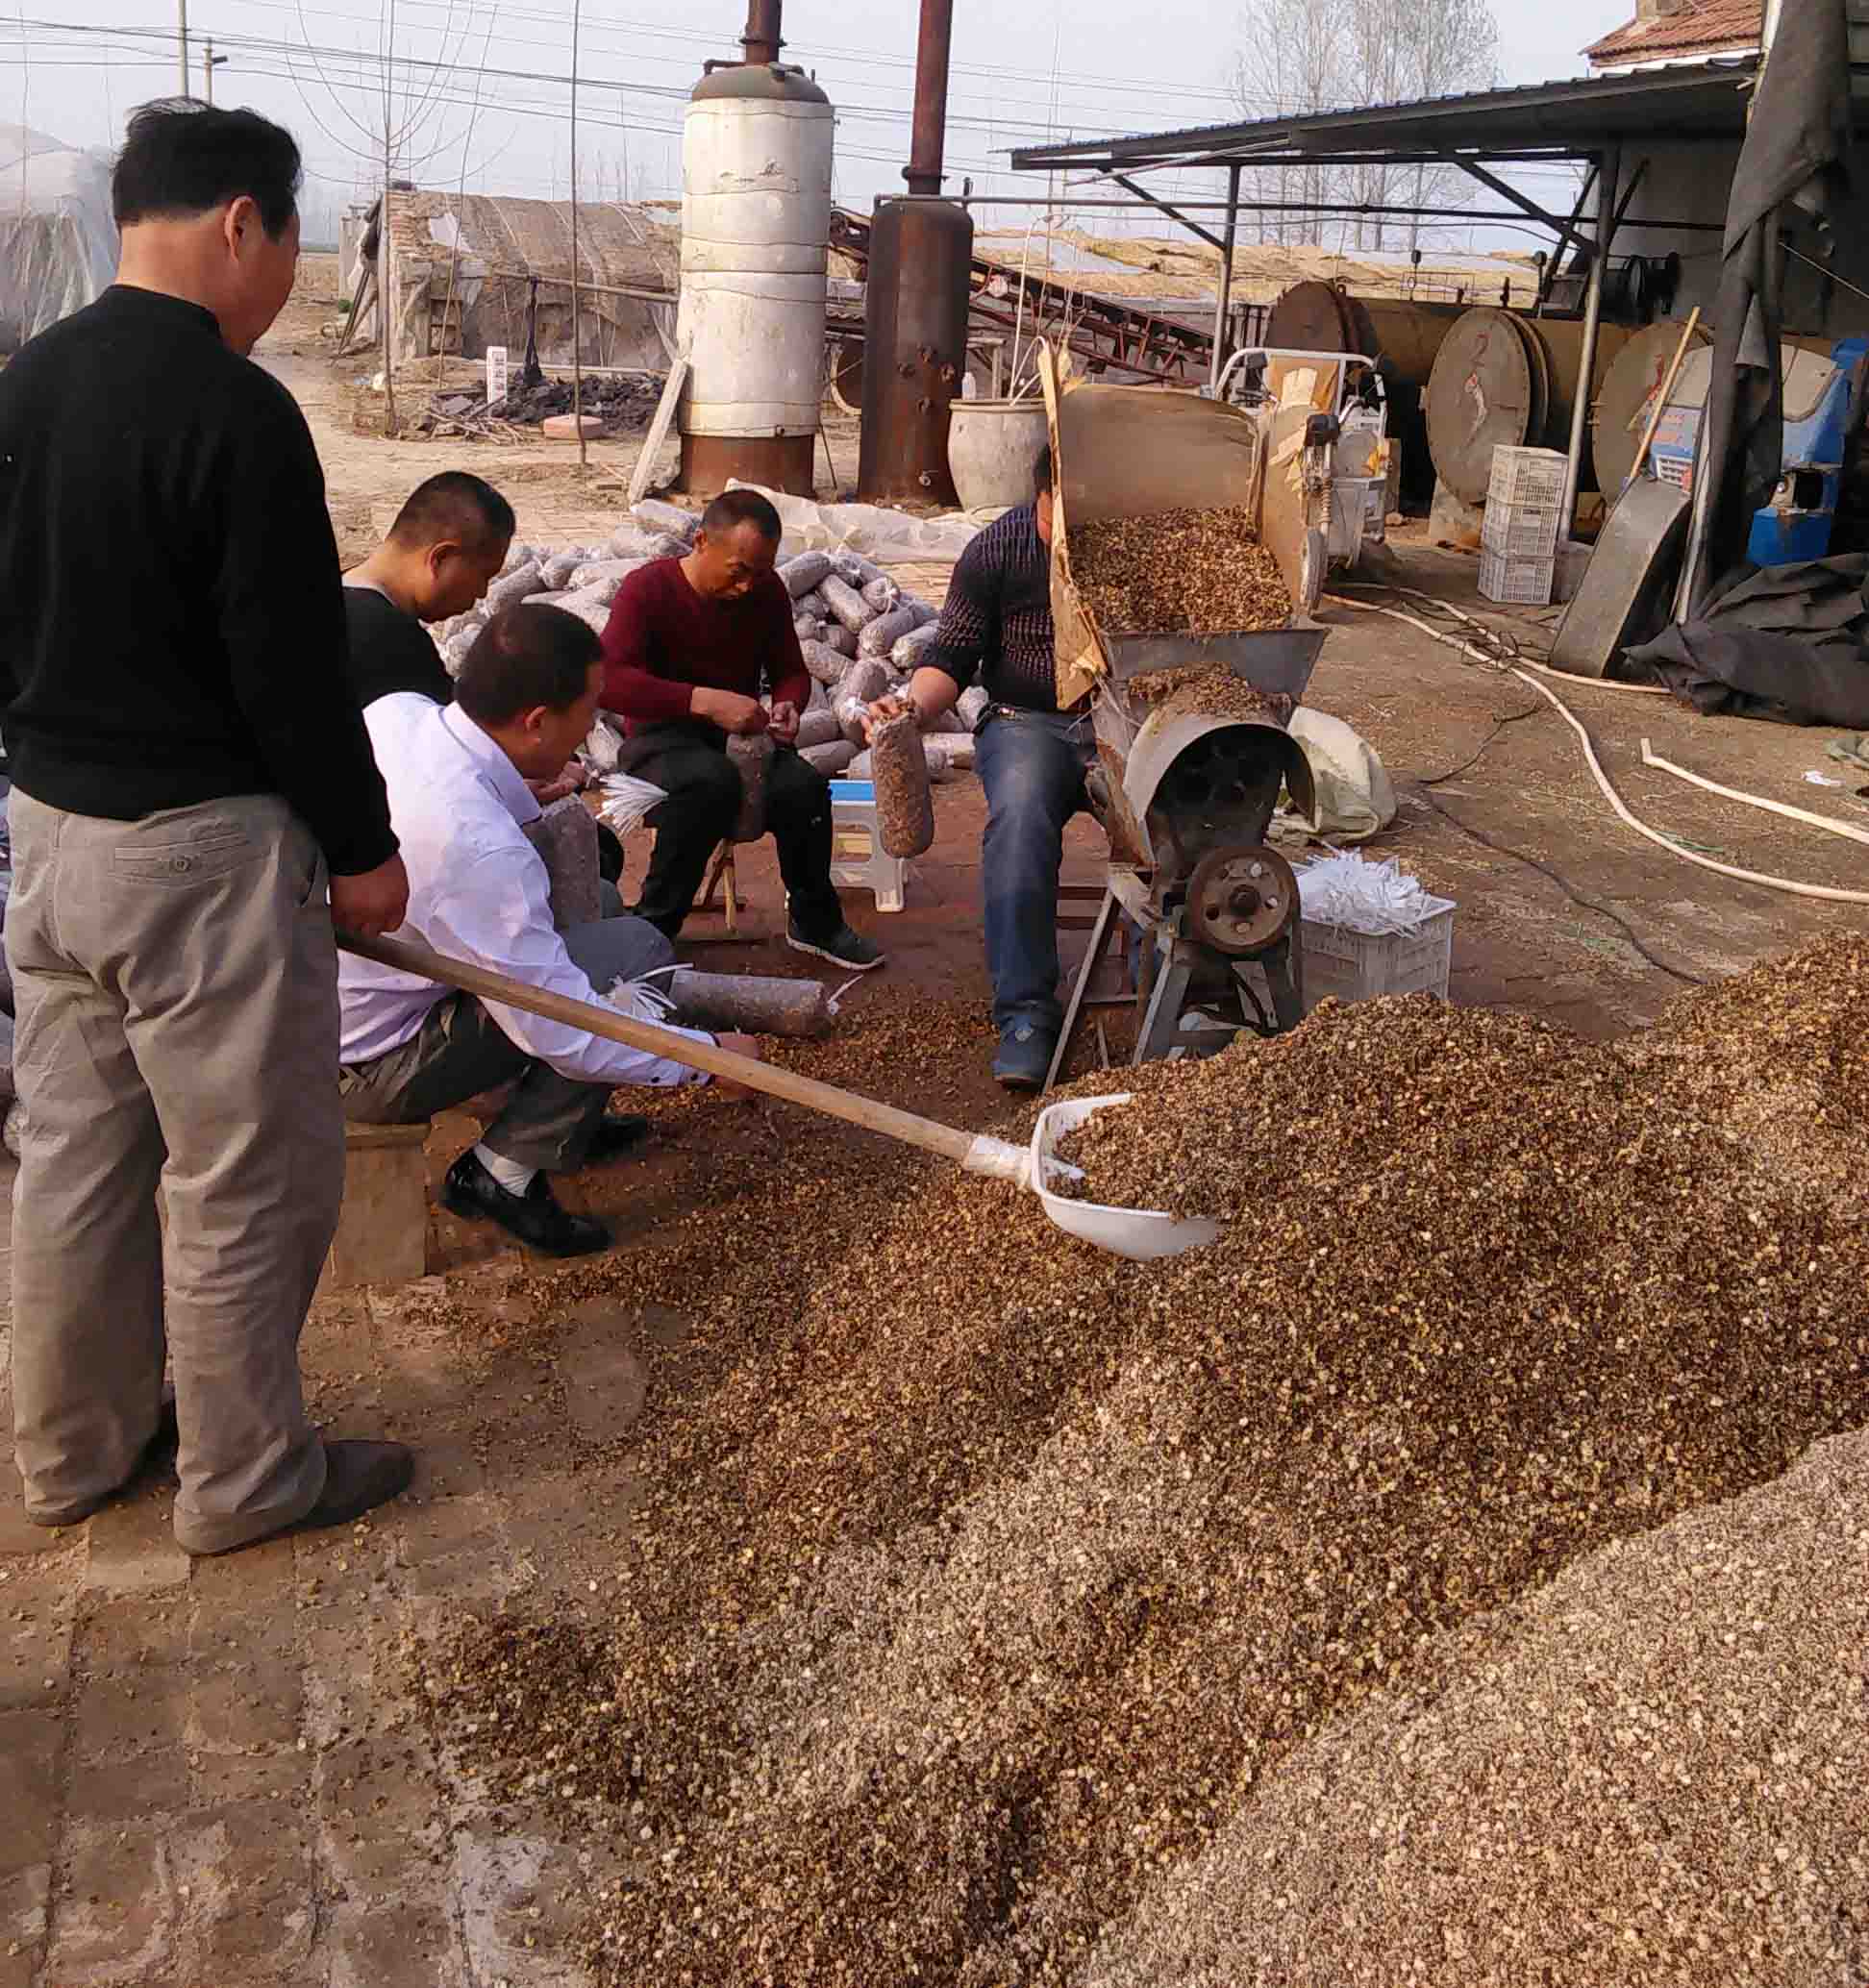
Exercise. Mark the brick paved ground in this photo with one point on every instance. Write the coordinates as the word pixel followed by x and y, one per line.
pixel 211 1775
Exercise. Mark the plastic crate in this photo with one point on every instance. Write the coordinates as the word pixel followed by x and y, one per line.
pixel 1520 534
pixel 1526 479
pixel 1515 583
pixel 1347 966
pixel 857 859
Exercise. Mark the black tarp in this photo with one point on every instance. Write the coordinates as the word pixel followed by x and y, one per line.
pixel 1794 155
pixel 1783 642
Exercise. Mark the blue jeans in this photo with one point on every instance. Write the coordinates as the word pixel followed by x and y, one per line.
pixel 1032 764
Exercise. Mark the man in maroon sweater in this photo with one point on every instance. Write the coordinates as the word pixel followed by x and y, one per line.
pixel 689 645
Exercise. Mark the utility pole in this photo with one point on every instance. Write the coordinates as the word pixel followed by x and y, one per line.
pixel 182 28
pixel 209 63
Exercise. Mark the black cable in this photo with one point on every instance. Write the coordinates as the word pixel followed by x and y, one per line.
pixel 1576 897
pixel 1531 710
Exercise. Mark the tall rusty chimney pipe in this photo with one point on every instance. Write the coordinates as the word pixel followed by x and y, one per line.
pixel 927 140
pixel 760 42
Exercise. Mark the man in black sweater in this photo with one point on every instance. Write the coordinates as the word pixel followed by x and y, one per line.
pixel 996 628
pixel 443 552
pixel 194 803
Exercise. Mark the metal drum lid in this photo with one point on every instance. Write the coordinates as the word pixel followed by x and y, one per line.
pixel 1490 388
pixel 1626 399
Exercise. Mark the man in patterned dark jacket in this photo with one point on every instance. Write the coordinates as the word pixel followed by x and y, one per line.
pixel 996 628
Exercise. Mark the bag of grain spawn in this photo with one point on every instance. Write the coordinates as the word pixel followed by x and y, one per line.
pixel 845 603
pixel 802 575
pixel 905 808
pixel 752 760
pixel 826 664
pixel 881 636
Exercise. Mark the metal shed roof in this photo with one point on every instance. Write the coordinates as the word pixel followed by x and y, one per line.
pixel 1575 118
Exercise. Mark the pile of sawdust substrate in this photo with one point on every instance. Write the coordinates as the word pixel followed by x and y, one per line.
pixel 986 1581
pixel 1655 1770
pixel 1179 572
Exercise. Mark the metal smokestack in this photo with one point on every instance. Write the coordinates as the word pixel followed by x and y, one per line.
pixel 928 136
pixel 761 41
pixel 916 306
pixel 756 222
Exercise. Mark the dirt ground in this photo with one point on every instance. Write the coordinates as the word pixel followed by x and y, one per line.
pixel 214 1774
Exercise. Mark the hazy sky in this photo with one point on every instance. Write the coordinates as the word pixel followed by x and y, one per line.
pixel 1095 67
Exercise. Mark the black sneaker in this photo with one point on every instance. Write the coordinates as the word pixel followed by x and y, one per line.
pixel 533 1218
pixel 1025 1053
pixel 842 948
pixel 621 1133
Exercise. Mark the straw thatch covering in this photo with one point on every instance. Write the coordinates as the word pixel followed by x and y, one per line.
pixel 461 269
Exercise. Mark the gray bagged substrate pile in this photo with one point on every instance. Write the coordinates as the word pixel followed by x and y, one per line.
pixel 857 629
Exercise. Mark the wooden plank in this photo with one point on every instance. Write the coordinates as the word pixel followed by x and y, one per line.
pixel 382 1230
pixel 652 443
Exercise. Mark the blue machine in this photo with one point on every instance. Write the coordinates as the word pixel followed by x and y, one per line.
pixel 1819 402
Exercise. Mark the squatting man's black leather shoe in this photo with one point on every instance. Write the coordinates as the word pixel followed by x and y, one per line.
pixel 533 1218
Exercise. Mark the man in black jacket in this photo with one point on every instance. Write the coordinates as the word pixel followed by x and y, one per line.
pixel 996 629
pixel 443 552
pixel 194 803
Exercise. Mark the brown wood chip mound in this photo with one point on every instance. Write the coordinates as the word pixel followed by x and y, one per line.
pixel 1207 692
pixel 1179 572
pixel 997 1611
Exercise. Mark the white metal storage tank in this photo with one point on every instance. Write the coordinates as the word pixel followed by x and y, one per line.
pixel 756 223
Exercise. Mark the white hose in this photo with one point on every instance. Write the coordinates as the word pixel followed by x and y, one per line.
pixel 1827 892
pixel 1803 815
pixel 1687 855
pixel 1544 669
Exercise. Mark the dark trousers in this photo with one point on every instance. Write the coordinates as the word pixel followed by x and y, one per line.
pixel 462 1051
pixel 690 763
pixel 1032 764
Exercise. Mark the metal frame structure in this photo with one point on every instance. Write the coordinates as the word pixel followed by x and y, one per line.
pixel 1584 122
pixel 1104 331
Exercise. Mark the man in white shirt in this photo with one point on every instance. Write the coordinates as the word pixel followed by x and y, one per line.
pixel 457 777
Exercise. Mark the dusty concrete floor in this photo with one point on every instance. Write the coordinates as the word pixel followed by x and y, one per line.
pixel 211 1775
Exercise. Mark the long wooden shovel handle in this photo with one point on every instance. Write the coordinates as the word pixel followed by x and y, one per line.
pixel 980 1154
pixel 1661 394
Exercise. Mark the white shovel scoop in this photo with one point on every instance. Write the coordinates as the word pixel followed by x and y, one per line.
pixel 1138 1232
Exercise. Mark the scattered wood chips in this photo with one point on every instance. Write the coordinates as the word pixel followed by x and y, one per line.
pixel 1002 1612
pixel 1207 692
pixel 1179 572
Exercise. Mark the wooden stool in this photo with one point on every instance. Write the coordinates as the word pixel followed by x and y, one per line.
pixel 721 877
pixel 383 1232
pixel 1109 948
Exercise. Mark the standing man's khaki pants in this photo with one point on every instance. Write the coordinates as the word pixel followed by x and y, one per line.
pixel 176 983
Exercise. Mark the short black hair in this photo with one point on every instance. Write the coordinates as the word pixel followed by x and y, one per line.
pixel 456 506
pixel 528 655
pixel 1041 472
pixel 181 159
pixel 735 508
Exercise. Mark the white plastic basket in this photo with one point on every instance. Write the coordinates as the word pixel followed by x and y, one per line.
pixel 1526 479
pixel 1360 965
pixel 1520 534
pixel 1515 583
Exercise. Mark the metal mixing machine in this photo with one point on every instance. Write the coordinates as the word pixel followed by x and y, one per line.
pixel 1187 796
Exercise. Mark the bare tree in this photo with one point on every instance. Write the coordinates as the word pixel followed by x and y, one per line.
pixel 1291 61
pixel 1302 56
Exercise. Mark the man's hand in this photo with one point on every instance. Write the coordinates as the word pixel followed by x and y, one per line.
pixel 741 1046
pixel 883 709
pixel 739 717
pixel 373 903
pixel 782 724
pixel 570 782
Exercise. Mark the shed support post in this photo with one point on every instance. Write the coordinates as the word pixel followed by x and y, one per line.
pixel 1605 231
pixel 1223 302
